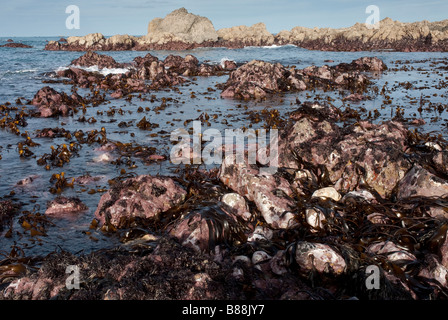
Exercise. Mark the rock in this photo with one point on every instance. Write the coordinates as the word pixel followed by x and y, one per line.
pixel 92 41
pixel 350 162
pixel 260 234
pixel 268 192
pixel 316 112
pixel 180 25
pixel 320 257
pixel 144 197
pixel 434 270
pixel 7 210
pixel 373 64
pixel 327 193
pixel 315 218
pixel 188 66
pixel 62 206
pixel 391 35
pixel 15 45
pixel 354 97
pixel 205 229
pixel 419 182
pixel 150 68
pixel 255 79
pixel 278 263
pixel 91 58
pixel 359 195
pixel 193 232
pixel 260 260
pixel 440 162
pixel 27 181
pixel 237 205
pixel 243 36
pixel 228 65
pixel 51 103
pixel 82 78
pixel 391 251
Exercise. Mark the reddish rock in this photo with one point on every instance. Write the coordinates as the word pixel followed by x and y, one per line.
pixel 62 206
pixel 319 257
pixel 51 103
pixel 346 155
pixel 15 45
pixel 391 251
pixel 92 58
pixel 256 79
pixel 82 78
pixel 419 182
pixel 143 197
pixel 229 65
pixel 262 189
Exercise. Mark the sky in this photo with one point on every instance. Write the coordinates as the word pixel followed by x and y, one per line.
pixel 20 18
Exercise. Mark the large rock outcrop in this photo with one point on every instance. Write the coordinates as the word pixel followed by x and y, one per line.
pixel 394 35
pixel 256 35
pixel 181 30
pixel 180 25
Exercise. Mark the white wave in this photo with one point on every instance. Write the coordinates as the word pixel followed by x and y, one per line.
pixel 274 46
pixel 104 71
pixel 223 60
pixel 21 71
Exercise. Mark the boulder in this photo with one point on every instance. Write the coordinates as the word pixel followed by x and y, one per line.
pixel 144 197
pixel 15 45
pixel 182 25
pixel 419 182
pixel 270 193
pixel 318 257
pixel 51 103
pixel 63 205
pixel 92 58
pixel 363 154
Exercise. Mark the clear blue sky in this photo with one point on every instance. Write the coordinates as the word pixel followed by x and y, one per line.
pixel 47 17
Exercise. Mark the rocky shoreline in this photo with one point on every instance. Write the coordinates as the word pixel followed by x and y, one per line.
pixel 344 197
pixel 181 30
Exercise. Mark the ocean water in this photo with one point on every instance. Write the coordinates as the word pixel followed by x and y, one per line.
pixel 412 78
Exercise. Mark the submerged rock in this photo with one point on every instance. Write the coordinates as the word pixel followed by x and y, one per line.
pixel 143 197
pixel 63 205
pixel 7 210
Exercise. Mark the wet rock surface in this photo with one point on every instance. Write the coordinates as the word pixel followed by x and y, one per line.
pixel 91 58
pixel 257 79
pixel 62 205
pixel 143 197
pixel 51 103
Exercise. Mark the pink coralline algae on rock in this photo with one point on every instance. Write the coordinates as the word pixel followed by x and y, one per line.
pixel 63 205
pixel 143 197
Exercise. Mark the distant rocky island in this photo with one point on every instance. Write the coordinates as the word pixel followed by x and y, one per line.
pixel 181 30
